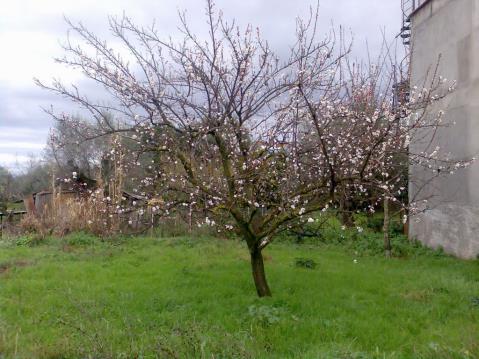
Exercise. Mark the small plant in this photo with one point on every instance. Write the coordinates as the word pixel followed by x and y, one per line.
pixel 265 315
pixel 307 263
pixel 80 239
pixel 31 240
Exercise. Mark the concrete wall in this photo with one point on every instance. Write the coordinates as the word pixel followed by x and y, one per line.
pixel 450 28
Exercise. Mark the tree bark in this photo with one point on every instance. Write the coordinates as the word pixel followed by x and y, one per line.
pixel 259 275
pixel 387 240
pixel 346 215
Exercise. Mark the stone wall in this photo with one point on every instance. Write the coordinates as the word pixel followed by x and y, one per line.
pixel 449 29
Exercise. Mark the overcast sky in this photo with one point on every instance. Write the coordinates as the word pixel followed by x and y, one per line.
pixel 30 32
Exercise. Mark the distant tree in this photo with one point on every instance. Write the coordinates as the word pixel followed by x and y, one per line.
pixel 6 180
pixel 90 150
pixel 256 142
pixel 36 176
pixel 71 151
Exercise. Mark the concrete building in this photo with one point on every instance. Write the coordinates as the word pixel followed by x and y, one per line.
pixel 449 30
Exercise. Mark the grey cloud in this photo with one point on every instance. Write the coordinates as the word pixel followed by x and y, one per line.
pixel 21 117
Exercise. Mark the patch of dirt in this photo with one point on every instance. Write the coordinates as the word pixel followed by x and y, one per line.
pixel 418 295
pixel 22 263
pixel 6 266
pixel 67 248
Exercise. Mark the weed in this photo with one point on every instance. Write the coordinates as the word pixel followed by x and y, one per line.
pixel 307 263
pixel 265 315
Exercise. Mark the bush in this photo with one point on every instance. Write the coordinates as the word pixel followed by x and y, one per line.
pixel 366 239
pixel 93 214
pixel 35 229
pixel 80 239
pixel 28 241
pixel 305 263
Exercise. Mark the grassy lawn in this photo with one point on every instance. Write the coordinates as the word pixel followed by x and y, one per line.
pixel 194 298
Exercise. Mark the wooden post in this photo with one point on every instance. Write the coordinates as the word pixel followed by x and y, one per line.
pixel 387 240
pixel 152 224
pixel 190 219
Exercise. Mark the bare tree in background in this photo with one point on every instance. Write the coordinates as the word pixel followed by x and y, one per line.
pixel 6 187
pixel 71 151
pixel 255 141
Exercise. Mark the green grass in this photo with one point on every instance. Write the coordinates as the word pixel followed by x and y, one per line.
pixel 194 298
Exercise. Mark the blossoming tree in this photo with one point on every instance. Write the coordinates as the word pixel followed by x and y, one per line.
pixel 255 141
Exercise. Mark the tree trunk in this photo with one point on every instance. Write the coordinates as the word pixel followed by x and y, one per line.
pixel 387 240
pixel 259 275
pixel 346 216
